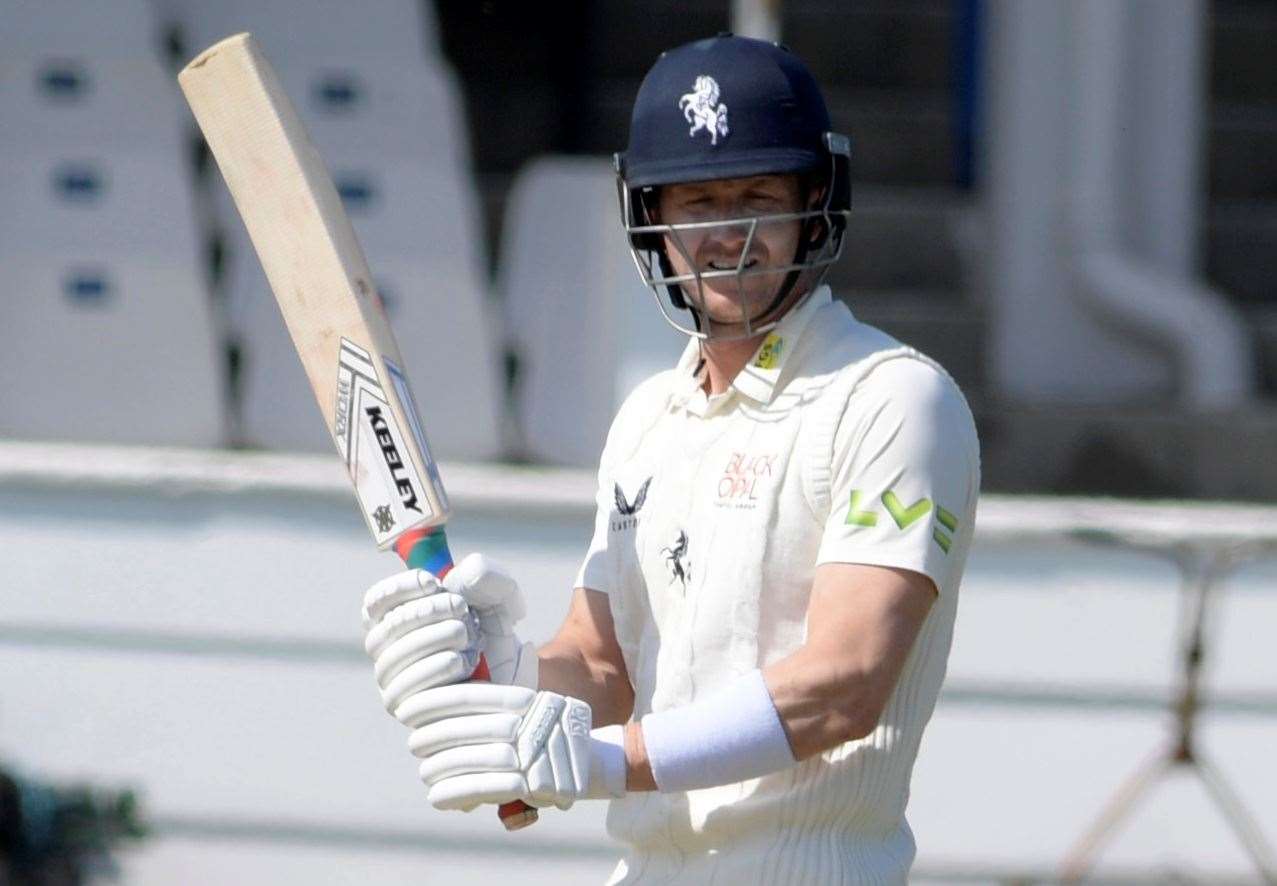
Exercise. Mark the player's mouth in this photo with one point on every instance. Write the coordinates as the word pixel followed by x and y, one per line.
pixel 731 266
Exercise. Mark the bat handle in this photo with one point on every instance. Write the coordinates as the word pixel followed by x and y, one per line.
pixel 428 549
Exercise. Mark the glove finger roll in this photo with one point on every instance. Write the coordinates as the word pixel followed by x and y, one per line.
pixel 468 790
pixel 454 762
pixel 433 671
pixel 560 757
pixel 462 699
pixel 457 731
pixel 413 615
pixel 452 635
pixel 540 778
pixel 395 589
pixel 486 586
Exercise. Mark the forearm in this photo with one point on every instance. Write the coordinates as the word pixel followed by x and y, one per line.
pixel 822 702
pixel 567 670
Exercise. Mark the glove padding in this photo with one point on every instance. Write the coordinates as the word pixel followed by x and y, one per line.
pixel 485 743
pixel 498 602
pixel 422 633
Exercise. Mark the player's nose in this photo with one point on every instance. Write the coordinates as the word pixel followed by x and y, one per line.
pixel 731 240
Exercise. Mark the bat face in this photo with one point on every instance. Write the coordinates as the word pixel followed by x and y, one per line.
pixel 321 281
pixel 377 449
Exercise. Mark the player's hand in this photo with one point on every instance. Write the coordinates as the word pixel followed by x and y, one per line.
pixel 422 633
pixel 486 743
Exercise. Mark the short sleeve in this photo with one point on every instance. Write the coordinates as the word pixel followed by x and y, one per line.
pixel 905 474
pixel 598 571
pixel 595 573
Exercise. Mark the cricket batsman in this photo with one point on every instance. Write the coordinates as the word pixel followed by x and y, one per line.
pixel 761 623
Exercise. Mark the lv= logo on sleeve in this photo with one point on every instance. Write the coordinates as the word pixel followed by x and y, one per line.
pixel 904 516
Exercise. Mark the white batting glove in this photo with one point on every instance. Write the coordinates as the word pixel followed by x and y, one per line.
pixel 484 743
pixel 498 602
pixel 423 633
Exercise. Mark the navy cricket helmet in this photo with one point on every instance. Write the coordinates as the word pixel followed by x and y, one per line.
pixel 732 107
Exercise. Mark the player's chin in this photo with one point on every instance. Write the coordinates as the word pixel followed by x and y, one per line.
pixel 728 313
pixel 746 296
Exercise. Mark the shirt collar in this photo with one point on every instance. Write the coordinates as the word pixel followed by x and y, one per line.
pixel 758 379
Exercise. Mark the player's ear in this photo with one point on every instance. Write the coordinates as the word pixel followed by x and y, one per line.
pixel 815 189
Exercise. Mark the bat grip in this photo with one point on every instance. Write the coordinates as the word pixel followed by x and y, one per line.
pixel 428 549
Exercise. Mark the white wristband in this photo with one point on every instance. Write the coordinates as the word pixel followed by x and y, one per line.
pixel 607 763
pixel 728 737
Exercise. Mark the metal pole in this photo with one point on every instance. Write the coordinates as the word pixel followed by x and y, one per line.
pixel 756 18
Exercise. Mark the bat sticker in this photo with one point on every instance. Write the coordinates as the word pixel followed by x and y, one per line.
pixel 400 381
pixel 372 444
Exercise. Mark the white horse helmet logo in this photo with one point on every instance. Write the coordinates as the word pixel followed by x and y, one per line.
pixel 703 110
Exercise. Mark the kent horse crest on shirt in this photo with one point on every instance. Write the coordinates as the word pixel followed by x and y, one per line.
pixel 676 560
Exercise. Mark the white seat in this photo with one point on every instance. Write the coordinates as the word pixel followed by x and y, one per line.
pixel 584 327
pixel 106 348
pixel 104 285
pixel 129 205
pixel 105 104
pixel 373 108
pixel 394 30
pixel 74 28
pixel 419 230
pixel 449 354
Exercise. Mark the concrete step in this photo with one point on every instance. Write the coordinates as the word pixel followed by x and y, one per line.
pixel 1146 450
pixel 1263 323
pixel 1241 251
pixel 625 38
pixel 877 45
pixel 1242 37
pixel 901 238
pixel 870 43
pixel 1242 151
pixel 940 323
pixel 897 137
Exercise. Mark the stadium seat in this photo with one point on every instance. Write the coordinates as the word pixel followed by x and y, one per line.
pixel 135 204
pixel 107 348
pixel 584 327
pixel 104 284
pixel 371 108
pixel 129 104
pixel 74 29
pixel 387 119
pixel 448 355
pixel 311 30
pixel 420 232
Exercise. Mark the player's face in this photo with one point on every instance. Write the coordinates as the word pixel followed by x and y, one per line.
pixel 726 247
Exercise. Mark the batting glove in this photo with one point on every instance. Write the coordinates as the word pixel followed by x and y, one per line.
pixel 484 743
pixel 422 633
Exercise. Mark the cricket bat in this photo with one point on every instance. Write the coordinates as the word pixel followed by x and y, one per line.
pixel 321 281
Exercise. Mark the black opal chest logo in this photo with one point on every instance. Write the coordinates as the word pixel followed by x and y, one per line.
pixel 627 510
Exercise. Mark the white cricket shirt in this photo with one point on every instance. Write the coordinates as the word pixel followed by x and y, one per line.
pixel 835 444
